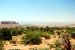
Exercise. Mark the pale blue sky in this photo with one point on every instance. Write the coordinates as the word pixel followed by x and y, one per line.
pixel 30 11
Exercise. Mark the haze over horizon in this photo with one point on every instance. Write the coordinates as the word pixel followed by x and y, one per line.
pixel 38 11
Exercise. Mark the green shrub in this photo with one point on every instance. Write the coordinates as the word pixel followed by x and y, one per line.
pixel 32 38
pixel 51 46
pixel 72 34
pixel 57 43
pixel 16 32
pixel 5 34
pixel 45 35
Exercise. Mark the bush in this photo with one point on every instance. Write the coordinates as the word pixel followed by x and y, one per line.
pixel 57 43
pixel 58 33
pixel 50 45
pixel 45 35
pixel 32 38
pixel 5 34
pixel 72 35
pixel 16 32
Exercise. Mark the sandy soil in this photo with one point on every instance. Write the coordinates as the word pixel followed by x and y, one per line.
pixel 27 47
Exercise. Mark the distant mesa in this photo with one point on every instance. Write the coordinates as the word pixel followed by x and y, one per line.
pixel 9 24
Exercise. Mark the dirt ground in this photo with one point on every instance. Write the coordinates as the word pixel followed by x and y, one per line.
pixel 28 47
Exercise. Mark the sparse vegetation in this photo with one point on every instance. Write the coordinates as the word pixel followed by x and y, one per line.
pixel 33 36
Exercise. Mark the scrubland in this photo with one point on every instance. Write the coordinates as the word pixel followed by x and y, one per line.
pixel 37 38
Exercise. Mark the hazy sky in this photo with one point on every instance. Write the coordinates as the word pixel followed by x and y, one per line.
pixel 37 10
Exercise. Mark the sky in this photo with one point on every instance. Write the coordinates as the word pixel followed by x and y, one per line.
pixel 37 11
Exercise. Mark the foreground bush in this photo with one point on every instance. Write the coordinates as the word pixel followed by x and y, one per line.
pixel 32 38
pixel 5 34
